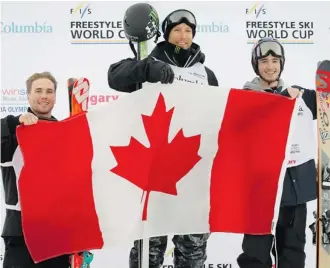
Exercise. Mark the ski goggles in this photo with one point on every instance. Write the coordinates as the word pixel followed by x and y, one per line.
pixel 180 15
pixel 264 48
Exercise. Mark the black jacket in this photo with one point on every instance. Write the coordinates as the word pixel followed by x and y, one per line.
pixel 12 224
pixel 128 75
pixel 300 184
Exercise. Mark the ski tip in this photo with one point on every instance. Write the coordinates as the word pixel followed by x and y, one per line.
pixel 71 82
pixel 324 65
pixel 81 81
pixel 322 78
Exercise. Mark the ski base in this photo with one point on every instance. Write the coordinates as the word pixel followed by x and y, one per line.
pixel 322 237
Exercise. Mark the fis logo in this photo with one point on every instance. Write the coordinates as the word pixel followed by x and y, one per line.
pixel 81 9
pixel 257 10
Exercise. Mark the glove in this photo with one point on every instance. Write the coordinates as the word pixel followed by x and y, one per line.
pixel 159 71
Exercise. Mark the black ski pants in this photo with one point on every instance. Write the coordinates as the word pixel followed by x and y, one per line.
pixel 18 256
pixel 290 239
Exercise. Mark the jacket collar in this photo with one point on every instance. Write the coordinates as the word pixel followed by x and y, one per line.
pixel 52 118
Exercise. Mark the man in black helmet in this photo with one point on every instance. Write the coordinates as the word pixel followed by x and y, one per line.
pixel 299 186
pixel 175 58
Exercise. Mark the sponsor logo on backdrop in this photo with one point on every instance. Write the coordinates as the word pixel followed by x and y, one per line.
pixel 81 9
pixel 257 10
pixel 94 100
pixel 36 27
pixel 86 27
pixel 259 25
pixel 210 27
pixel 217 265
pixel 213 27
pixel 208 265
pixel 13 101
pixel 170 254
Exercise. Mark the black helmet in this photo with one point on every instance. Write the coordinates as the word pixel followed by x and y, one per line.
pixel 141 22
pixel 265 47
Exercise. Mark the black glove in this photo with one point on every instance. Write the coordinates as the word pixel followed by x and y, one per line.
pixel 159 71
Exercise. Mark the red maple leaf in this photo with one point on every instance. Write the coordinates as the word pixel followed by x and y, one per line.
pixel 163 164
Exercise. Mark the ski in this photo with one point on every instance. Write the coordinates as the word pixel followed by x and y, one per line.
pixel 71 82
pixel 78 91
pixel 143 248
pixel 322 215
pixel 81 260
pixel 78 95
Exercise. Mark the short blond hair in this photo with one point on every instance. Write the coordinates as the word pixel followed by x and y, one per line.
pixel 37 76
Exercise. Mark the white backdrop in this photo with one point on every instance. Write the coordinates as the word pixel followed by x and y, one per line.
pixel 37 37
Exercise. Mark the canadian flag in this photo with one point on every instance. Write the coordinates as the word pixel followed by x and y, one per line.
pixel 177 159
